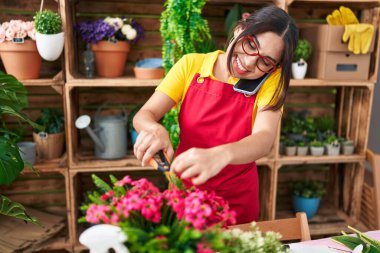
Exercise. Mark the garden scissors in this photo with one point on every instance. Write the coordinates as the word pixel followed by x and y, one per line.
pixel 161 162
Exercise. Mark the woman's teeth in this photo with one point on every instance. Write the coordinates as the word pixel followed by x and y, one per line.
pixel 240 66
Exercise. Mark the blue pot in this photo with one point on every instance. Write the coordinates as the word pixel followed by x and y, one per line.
pixel 134 135
pixel 307 205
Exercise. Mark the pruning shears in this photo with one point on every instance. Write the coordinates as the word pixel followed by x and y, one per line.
pixel 161 162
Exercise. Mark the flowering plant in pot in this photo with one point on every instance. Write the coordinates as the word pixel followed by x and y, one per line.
pixel 50 142
pixel 109 39
pixel 49 35
pixel 175 220
pixel 300 56
pixel 307 195
pixel 18 49
pixel 332 145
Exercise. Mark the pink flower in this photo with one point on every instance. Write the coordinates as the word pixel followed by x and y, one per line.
pixel 27 26
pixel 245 15
pixel 32 34
pixel 202 248
pixel 124 181
pixel 97 213
pixel 107 195
pixel 9 34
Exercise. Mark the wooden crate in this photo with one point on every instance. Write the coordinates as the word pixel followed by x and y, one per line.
pixel 25 10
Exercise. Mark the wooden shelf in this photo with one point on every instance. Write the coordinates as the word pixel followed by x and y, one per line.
pixel 313 82
pixel 126 81
pixel 294 160
pixel 365 4
pixel 42 82
pixel 53 165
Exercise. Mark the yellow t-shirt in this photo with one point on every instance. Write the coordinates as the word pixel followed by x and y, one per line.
pixel 177 81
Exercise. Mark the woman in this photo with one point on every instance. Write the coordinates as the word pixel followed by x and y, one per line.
pixel 223 132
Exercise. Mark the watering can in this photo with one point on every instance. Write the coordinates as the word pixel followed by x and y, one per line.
pixel 109 135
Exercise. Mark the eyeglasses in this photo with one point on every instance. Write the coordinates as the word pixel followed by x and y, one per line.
pixel 264 63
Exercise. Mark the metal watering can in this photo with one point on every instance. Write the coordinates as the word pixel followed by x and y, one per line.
pixel 109 135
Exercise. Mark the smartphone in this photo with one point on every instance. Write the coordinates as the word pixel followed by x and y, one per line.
pixel 250 86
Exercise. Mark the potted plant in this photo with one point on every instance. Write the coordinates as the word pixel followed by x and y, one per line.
pixel 302 148
pixel 110 39
pixel 49 35
pixel 290 147
pixel 171 124
pixel 316 148
pixel 347 146
pixel 50 142
pixel 307 196
pixel 332 145
pixel 18 49
pixel 300 56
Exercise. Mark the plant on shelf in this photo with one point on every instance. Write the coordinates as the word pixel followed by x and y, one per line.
pixel 332 145
pixel 301 55
pixel 50 142
pixel 316 148
pixel 183 30
pixel 18 49
pixel 297 125
pixel 302 148
pixel 110 39
pixel 325 126
pixel 290 147
pixel 175 220
pixel 49 35
pixel 307 195
pixel 13 98
pixel 347 146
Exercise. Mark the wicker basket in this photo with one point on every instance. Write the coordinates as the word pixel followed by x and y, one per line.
pixel 49 146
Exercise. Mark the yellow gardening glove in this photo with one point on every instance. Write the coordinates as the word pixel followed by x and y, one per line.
pixel 359 37
pixel 348 17
pixel 343 16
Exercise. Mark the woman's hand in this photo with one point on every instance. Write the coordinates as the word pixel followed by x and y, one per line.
pixel 200 164
pixel 150 141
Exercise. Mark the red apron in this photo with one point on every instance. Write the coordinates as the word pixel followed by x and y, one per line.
pixel 213 114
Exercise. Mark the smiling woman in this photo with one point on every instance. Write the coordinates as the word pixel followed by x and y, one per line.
pixel 223 132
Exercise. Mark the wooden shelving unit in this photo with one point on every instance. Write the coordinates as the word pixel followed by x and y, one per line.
pixel 81 95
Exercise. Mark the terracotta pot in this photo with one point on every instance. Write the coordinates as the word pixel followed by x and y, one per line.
pixel 49 146
pixel 110 58
pixel 149 73
pixel 21 59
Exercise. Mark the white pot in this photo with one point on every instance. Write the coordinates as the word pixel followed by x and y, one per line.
pixel 348 149
pixel 290 151
pixel 27 151
pixel 332 150
pixel 299 70
pixel 50 46
pixel 317 151
pixel 302 151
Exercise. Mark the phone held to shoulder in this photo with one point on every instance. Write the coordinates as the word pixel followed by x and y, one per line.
pixel 250 87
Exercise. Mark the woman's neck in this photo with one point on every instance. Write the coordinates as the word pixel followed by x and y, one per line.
pixel 220 70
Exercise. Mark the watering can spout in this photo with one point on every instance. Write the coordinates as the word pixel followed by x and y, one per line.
pixel 83 122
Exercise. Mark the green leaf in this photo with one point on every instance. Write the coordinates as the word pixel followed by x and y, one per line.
pixel 16 210
pixel 11 163
pixel 233 16
pixel 349 241
pixel 100 183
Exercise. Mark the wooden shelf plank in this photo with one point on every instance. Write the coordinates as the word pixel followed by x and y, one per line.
pixel 294 160
pixel 313 82
pixel 53 165
pixel 42 82
pixel 113 82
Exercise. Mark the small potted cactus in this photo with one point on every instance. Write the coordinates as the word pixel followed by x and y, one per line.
pixel 316 148
pixel 302 148
pixel 332 145
pixel 290 147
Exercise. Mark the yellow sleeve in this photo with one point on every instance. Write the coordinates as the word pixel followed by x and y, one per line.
pixel 268 89
pixel 174 82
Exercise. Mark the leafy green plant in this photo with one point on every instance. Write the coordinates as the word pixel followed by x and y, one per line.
pixel 182 28
pixel 370 245
pixel 325 123
pixel 48 22
pixel 332 140
pixel 301 144
pixel 170 122
pixel 13 98
pixel 289 143
pixel 316 144
pixel 52 120
pixel 303 51
pixel 308 189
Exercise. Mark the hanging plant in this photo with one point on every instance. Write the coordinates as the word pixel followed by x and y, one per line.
pixel 183 30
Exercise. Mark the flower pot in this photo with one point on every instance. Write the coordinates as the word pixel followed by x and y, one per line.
pixel 50 46
pixel 302 151
pixel 317 151
pixel 27 151
pixel 49 146
pixel 150 68
pixel 134 135
pixel 299 70
pixel 21 59
pixel 347 149
pixel 332 150
pixel 110 58
pixel 290 151
pixel 308 205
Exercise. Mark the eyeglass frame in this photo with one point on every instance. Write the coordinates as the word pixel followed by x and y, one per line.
pixel 250 38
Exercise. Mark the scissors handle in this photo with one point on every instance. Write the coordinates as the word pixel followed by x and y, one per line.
pixel 160 161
